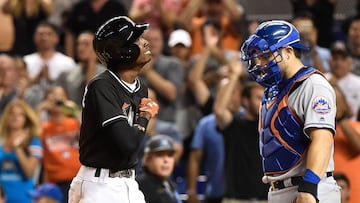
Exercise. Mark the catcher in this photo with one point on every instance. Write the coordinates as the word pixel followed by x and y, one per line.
pixel 115 115
pixel 297 117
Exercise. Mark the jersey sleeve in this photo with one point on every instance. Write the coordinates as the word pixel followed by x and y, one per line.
pixel 315 102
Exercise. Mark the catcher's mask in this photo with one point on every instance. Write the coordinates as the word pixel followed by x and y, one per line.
pixel 265 44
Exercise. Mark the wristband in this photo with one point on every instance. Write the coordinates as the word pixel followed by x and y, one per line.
pixel 311 177
pixel 309 183
pixel 308 187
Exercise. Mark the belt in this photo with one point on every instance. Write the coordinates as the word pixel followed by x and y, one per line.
pixel 281 184
pixel 127 173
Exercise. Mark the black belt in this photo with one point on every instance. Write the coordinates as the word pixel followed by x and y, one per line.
pixel 127 173
pixel 281 184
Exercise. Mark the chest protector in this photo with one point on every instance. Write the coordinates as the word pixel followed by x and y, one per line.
pixel 282 140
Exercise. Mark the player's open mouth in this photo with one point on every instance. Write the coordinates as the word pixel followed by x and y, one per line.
pixel 147 52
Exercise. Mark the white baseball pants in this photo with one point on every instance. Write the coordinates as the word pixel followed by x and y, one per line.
pixel 86 188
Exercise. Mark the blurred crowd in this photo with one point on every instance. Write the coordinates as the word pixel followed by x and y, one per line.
pixel 208 104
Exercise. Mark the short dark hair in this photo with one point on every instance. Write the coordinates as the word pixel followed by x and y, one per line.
pixel 342 176
pixel 213 22
pixel 54 27
pixel 248 87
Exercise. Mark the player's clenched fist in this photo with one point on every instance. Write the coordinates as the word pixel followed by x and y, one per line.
pixel 148 105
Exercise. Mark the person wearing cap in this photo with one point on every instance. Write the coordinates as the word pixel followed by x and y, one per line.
pixel 340 73
pixel 159 162
pixel 47 193
pixel 115 115
pixel 296 117
pixel 180 46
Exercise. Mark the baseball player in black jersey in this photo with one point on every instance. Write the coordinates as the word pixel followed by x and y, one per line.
pixel 115 115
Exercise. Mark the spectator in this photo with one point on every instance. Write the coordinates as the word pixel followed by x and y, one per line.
pixel 163 74
pixel 317 56
pixel 61 7
pixel 243 167
pixel 89 15
pixel 6 29
pixel 347 143
pixel 206 70
pixel 47 193
pixel 207 153
pixel 227 12
pixel 60 141
pixel 27 14
pixel 352 31
pixel 21 151
pixel 340 66
pixel 75 79
pixel 343 181
pixel 159 13
pixel 46 64
pixel 159 162
pixel 180 44
pixel 323 12
pixel 242 159
pixel 8 81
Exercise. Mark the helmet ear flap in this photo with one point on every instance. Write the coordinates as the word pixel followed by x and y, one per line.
pixel 128 54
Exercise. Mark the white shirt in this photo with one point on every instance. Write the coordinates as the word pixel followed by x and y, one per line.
pixel 56 65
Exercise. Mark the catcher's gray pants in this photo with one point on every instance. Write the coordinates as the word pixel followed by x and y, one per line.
pixel 328 192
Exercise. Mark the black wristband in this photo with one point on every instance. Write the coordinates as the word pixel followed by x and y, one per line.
pixel 308 187
pixel 142 121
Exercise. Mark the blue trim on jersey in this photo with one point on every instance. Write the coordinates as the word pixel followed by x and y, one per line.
pixel 12 178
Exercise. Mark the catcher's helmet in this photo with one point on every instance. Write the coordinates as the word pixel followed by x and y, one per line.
pixel 268 38
pixel 114 41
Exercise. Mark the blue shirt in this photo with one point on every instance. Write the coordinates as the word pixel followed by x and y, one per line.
pixel 12 178
pixel 208 139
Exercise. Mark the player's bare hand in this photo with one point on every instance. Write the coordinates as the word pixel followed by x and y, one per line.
pixel 20 138
pixel 235 65
pixel 211 37
pixel 149 106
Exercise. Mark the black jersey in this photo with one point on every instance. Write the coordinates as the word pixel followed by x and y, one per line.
pixel 109 105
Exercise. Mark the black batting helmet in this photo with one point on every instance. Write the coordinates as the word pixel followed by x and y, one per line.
pixel 114 41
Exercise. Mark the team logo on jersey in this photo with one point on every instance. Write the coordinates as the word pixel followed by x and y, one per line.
pixel 127 110
pixel 125 107
pixel 321 105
